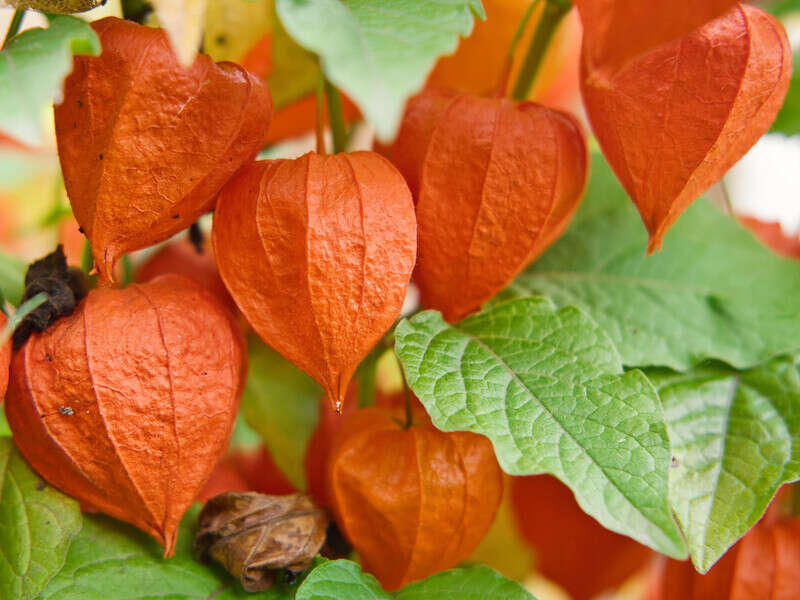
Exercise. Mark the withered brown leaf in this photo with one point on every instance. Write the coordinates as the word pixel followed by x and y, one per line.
pixel 253 535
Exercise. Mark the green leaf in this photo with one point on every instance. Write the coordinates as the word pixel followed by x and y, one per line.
pixel 788 119
pixel 5 431
pixel 12 277
pixel 546 386
pixel 474 583
pixel 339 579
pixel 784 7
pixel 110 560
pixel 379 53
pixel 37 523
pixel 32 70
pixel 713 292
pixel 735 440
pixel 280 402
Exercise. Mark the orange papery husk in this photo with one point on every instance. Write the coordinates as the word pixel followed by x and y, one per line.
pixel 146 144
pixel 495 183
pixel 128 404
pixel 616 31
pixel 674 120
pixel 317 252
pixel 413 501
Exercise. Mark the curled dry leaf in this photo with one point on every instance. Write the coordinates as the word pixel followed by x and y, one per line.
pixel 63 7
pixel 674 120
pixel 413 501
pixel 252 535
pixel 139 160
pixel 616 31
pixel 129 403
pixel 318 252
pixel 572 549
pixel 764 564
pixel 495 183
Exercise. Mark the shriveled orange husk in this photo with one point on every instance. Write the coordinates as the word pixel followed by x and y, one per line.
pixel 140 161
pixel 616 31
pixel 128 404
pixel 674 120
pixel 317 253
pixel 411 502
pixel 495 183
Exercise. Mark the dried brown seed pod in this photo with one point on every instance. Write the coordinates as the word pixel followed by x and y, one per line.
pixel 253 535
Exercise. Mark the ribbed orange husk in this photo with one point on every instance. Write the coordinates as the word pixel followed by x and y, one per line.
pixel 673 121
pixel 5 359
pixel 145 144
pixel 129 403
pixel 411 502
pixel 572 549
pixel 763 565
pixel 317 252
pixel 616 31
pixel 495 183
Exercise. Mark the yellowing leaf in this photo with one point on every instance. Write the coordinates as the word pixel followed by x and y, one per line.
pixel 63 7
pixel 232 27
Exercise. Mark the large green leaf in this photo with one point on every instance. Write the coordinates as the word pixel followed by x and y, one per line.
pixel 280 402
pixel 474 583
pixel 32 70
pixel 379 53
pixel 547 387
pixel 110 560
pixel 37 524
pixel 340 579
pixel 713 292
pixel 735 439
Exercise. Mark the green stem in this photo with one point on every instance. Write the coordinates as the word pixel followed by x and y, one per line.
pixel 13 27
pixel 502 82
pixel 87 260
pixel 23 311
pixel 320 130
pixel 127 270
pixel 336 117
pixel 554 12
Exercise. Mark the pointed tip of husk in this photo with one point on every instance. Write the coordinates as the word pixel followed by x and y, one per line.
pixel 169 541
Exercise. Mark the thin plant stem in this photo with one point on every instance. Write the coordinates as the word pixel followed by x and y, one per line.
pixel 336 117
pixel 505 74
pixel 23 311
pixel 87 260
pixel 320 131
pixel 552 15
pixel 13 27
